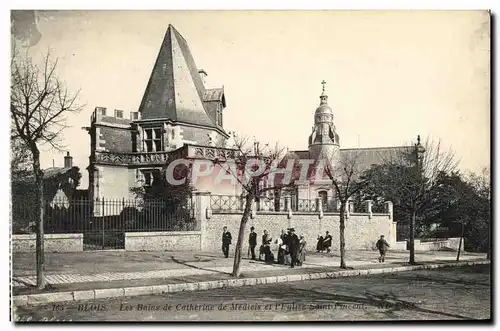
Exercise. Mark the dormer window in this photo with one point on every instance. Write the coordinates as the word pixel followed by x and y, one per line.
pixel 153 140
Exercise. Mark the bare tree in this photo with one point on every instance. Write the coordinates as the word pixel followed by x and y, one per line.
pixel 347 182
pixel 410 179
pixel 39 105
pixel 251 167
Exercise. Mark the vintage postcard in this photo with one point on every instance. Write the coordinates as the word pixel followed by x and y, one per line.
pixel 250 166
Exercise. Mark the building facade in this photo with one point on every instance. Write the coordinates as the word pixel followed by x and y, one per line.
pixel 180 118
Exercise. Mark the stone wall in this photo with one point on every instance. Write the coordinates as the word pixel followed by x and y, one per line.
pixel 434 245
pixel 163 241
pixel 361 231
pixel 70 242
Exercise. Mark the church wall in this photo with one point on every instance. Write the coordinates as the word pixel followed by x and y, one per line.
pixel 218 187
pixel 361 231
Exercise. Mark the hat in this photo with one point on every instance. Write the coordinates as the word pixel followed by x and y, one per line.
pixel 291 229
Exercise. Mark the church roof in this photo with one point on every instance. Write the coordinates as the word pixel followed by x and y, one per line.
pixel 365 157
pixel 175 89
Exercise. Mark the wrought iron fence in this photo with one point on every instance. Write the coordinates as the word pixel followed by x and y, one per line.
pixel 104 222
pixel 380 208
pixel 306 205
pixel 229 203
pixel 271 204
pixel 226 203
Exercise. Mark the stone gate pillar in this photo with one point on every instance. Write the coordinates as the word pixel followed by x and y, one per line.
pixel 202 212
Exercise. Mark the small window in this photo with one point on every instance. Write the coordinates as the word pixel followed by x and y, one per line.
pixel 118 113
pixel 101 110
pixel 148 178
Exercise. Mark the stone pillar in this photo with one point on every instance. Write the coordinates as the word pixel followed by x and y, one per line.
pixel 202 212
pixel 253 212
pixel 319 207
pixel 350 203
pixel 288 203
pixel 389 208
pixel 288 207
pixel 369 204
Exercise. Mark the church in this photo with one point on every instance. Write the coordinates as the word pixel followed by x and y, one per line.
pixel 181 118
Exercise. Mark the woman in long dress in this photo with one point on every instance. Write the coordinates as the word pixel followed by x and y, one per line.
pixel 302 251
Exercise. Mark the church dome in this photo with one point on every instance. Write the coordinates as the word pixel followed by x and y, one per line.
pixel 324 109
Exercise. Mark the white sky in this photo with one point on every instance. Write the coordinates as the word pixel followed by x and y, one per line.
pixel 390 75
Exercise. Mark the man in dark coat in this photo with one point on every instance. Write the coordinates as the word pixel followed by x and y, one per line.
pixel 327 242
pixel 265 250
pixel 319 245
pixel 382 246
pixel 226 241
pixel 252 241
pixel 293 246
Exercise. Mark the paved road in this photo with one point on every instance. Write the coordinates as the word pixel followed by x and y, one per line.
pixel 455 293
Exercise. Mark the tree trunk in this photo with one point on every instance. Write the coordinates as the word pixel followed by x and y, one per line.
pixel 412 238
pixel 460 243
pixel 241 235
pixel 40 258
pixel 342 235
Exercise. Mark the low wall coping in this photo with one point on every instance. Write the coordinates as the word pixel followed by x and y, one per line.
pixel 227 212
pixel 162 233
pixel 32 236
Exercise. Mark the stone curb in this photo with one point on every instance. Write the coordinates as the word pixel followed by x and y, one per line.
pixel 43 298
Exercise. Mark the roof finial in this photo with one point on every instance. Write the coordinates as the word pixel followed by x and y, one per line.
pixel 323 97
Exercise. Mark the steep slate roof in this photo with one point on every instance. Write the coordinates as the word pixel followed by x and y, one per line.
pixel 175 89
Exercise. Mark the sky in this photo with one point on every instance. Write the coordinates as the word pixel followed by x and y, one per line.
pixel 390 75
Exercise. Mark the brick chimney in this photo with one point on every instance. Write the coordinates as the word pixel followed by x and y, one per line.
pixel 68 161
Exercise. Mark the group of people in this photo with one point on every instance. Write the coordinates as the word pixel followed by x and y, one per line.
pixel 324 243
pixel 291 248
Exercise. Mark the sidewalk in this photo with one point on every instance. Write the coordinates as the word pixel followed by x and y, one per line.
pixel 114 269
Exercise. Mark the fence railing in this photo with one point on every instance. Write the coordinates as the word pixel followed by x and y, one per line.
pixel 230 203
pixel 103 218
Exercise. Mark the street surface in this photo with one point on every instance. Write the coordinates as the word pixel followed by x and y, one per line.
pixel 439 294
